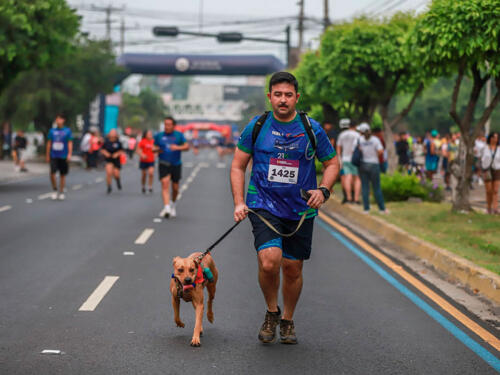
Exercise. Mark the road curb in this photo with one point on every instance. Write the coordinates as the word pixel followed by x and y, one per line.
pixel 455 268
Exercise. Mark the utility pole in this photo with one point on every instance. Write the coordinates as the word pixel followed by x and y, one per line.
pixel 122 36
pixel 301 25
pixel 326 17
pixel 200 17
pixel 108 10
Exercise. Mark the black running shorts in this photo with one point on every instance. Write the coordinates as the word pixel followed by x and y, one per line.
pixel 297 247
pixel 59 165
pixel 173 170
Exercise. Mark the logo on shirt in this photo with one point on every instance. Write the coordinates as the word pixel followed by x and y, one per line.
pixel 274 132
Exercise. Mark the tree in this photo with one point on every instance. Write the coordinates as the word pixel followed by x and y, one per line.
pixel 371 62
pixel 33 35
pixel 68 86
pixel 462 38
pixel 144 111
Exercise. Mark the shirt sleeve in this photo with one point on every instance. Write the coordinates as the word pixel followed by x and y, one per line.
pixel 50 136
pixel 70 135
pixel 182 139
pixel 156 143
pixel 245 142
pixel 378 144
pixel 324 150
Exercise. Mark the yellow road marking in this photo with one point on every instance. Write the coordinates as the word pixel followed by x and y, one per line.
pixel 441 302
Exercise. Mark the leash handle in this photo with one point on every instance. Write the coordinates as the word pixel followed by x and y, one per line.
pixel 270 226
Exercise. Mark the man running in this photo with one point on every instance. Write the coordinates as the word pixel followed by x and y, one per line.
pixel 147 159
pixel 112 150
pixel 283 164
pixel 59 150
pixel 170 143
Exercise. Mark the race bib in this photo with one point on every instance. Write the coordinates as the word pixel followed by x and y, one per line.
pixel 284 171
pixel 58 146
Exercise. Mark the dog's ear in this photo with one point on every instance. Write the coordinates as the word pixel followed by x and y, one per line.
pixel 175 260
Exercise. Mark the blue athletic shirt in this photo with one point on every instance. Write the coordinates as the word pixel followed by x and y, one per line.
pixel 279 152
pixel 164 140
pixel 59 138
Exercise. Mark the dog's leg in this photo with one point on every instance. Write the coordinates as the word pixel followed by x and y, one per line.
pixel 176 305
pixel 211 295
pixel 198 306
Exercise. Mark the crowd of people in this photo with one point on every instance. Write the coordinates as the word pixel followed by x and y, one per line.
pixel 428 157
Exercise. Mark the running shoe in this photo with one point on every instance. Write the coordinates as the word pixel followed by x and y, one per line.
pixel 109 189
pixel 143 190
pixel 150 191
pixel 165 212
pixel 267 333
pixel 173 212
pixel 287 332
pixel 54 196
pixel 118 184
pixel 62 197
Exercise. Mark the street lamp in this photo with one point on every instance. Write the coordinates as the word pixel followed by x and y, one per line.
pixel 223 37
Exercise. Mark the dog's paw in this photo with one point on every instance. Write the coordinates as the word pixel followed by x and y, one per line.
pixel 195 341
pixel 210 316
pixel 179 323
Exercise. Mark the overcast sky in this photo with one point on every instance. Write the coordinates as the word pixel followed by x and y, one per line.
pixel 141 15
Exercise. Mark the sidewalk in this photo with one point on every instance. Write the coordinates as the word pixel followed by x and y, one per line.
pixel 9 174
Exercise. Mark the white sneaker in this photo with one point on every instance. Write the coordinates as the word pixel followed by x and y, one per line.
pixel 165 212
pixel 62 197
pixel 54 196
pixel 173 212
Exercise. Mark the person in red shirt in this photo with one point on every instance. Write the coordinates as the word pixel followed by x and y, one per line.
pixel 145 150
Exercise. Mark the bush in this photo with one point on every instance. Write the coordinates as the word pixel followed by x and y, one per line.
pixel 400 187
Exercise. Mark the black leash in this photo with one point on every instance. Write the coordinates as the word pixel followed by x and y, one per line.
pixel 200 257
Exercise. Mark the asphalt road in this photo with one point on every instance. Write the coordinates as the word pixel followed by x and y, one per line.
pixel 53 256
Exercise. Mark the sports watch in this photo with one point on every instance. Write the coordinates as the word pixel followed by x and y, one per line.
pixel 325 191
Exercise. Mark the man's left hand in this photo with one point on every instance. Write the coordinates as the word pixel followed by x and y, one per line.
pixel 317 198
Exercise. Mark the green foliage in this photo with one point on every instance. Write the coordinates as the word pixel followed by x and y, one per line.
pixel 459 32
pixel 431 109
pixel 400 187
pixel 33 35
pixel 68 86
pixel 144 111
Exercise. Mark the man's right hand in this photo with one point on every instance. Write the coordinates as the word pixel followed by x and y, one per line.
pixel 240 212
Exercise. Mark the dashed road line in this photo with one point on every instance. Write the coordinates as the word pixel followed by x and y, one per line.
pixel 144 236
pixel 128 253
pixel 41 197
pixel 29 200
pixel 96 297
pixel 99 179
pixel 5 208
pixel 77 187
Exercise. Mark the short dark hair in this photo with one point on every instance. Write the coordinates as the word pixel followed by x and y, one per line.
pixel 170 118
pixel 61 115
pixel 281 77
pixel 491 135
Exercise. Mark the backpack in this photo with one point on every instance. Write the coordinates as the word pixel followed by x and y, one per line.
pixel 305 122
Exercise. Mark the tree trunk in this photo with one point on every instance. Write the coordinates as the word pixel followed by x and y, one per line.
pixel 461 202
pixel 392 158
pixel 330 114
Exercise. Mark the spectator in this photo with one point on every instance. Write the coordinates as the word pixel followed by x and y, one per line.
pixel 479 146
pixel 402 150
pixel 490 164
pixel 85 148
pixel 19 148
pixel 330 132
pixel 369 170
pixel 95 146
pixel 418 152
pixel 377 132
pixel 345 147
pixel 132 142
pixel 431 154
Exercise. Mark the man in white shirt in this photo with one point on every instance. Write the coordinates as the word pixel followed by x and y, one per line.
pixel 346 143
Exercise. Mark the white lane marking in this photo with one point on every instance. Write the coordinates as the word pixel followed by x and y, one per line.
pixel 188 164
pixel 29 200
pixel 144 236
pixel 44 196
pixel 99 179
pixel 96 297
pixel 204 165
pixel 221 165
pixel 128 253
pixel 157 220
pixel 179 196
pixel 52 351
pixel 77 187
pixel 5 208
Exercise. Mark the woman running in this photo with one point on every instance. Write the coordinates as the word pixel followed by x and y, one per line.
pixel 147 159
pixel 112 150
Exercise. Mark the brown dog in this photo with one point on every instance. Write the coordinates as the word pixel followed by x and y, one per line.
pixel 187 283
